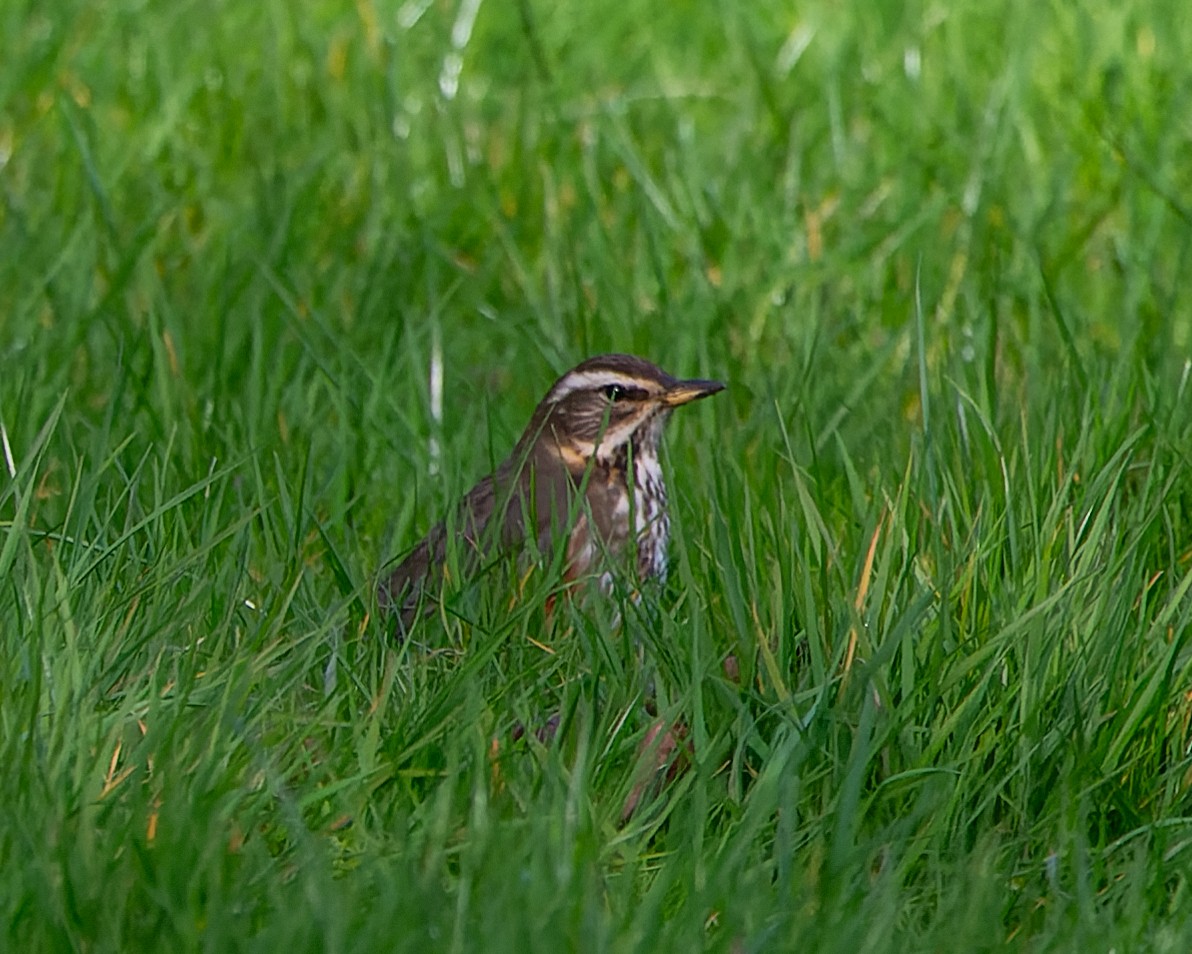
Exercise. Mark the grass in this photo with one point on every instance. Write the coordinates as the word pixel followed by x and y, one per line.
pixel 942 518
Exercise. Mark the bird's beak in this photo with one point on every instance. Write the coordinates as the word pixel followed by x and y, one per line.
pixel 687 391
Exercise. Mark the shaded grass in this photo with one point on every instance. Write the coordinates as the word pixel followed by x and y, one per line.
pixel 940 520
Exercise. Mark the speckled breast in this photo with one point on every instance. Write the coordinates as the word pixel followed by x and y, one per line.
pixel 651 518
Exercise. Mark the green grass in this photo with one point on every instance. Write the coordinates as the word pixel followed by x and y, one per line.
pixel 942 517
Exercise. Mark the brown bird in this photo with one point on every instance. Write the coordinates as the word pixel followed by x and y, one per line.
pixel 586 468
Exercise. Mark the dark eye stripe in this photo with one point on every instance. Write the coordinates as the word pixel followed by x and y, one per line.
pixel 619 392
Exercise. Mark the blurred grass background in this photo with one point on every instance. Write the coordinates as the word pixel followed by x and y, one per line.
pixel 942 518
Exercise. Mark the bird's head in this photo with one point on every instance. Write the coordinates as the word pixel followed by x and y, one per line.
pixel 611 402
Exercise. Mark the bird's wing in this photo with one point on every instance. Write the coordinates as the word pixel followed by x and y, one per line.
pixel 493 517
pixel 404 590
pixel 546 500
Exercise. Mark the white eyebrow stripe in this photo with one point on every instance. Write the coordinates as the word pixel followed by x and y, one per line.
pixel 587 380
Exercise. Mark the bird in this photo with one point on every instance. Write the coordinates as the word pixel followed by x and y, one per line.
pixel 586 470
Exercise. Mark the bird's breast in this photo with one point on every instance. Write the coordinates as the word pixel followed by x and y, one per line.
pixel 651 518
pixel 625 503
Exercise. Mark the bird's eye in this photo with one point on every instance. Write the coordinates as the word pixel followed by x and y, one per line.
pixel 614 392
